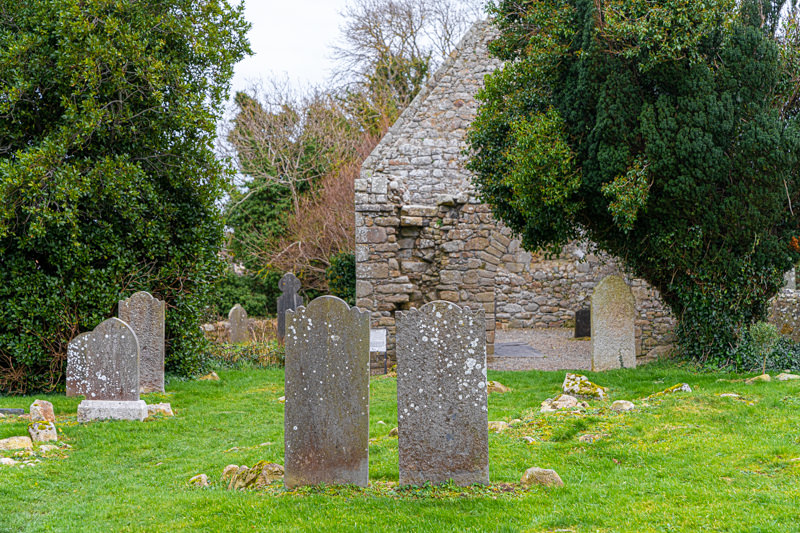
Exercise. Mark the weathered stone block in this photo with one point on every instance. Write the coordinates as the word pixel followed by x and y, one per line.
pixel 612 314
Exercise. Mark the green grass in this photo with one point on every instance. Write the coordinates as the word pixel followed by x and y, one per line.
pixel 685 462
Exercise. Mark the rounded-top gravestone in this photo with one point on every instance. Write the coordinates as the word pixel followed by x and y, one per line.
pixel 613 313
pixel 145 315
pixel 237 320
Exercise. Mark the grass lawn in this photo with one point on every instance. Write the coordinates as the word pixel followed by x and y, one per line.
pixel 684 462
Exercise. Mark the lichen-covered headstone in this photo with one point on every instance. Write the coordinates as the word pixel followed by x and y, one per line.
pixel 583 323
pixel 145 315
pixel 613 334
pixel 441 395
pixel 237 321
pixel 103 366
pixel 289 300
pixel 327 394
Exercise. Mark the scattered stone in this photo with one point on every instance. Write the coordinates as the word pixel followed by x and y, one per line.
pixel 590 438
pixel 200 480
pixel 289 300
pixel 497 426
pixel 164 409
pixel 381 422
pixel 541 476
pixel 613 312
pixel 326 422
pixel 680 387
pixel 210 377
pixel 529 440
pixel 16 443
pixel 146 315
pixel 42 411
pixel 259 476
pixel 729 395
pixel 13 412
pixel 442 395
pixel 42 431
pixel 228 473
pixel 622 405
pixel 563 401
pixel 237 319
pixel 763 378
pixel 496 386
pixel 282 399
pixel 2 415
pixel 581 386
pixel 5 461
pixel 393 432
pixel 515 422
pixel 47 448
pixel 787 377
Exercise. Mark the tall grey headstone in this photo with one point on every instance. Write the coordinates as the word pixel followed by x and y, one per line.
pixel 613 334
pixel 441 395
pixel 145 315
pixel 237 319
pixel 326 420
pixel 790 280
pixel 103 366
pixel 289 300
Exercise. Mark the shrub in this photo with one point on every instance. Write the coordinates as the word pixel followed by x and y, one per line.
pixel 341 276
pixel 258 294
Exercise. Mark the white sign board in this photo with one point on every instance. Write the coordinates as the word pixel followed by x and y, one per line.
pixel 377 340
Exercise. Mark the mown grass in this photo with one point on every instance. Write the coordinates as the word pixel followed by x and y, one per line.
pixel 685 462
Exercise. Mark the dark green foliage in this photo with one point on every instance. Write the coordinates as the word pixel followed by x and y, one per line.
pixel 256 293
pixel 269 354
pixel 108 176
pixel 341 276
pixel 783 357
pixel 667 132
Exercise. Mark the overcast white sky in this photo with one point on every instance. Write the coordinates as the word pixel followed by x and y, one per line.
pixel 290 37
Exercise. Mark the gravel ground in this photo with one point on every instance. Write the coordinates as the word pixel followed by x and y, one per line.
pixel 561 351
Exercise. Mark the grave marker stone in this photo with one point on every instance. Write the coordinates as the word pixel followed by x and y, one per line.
pixel 327 394
pixel 288 300
pixel 145 315
pixel 583 323
pixel 441 395
pixel 790 280
pixel 103 366
pixel 237 319
pixel 612 315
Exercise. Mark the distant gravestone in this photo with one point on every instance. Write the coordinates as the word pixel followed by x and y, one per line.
pixel 288 301
pixel 103 366
pixel 441 395
pixel 583 323
pixel 790 280
pixel 612 315
pixel 145 315
pixel 237 320
pixel 327 394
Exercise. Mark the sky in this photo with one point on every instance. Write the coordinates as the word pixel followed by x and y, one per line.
pixel 290 38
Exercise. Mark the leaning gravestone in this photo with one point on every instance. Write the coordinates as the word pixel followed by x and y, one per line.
pixel 327 394
pixel 237 319
pixel 583 323
pixel 103 366
pixel 441 395
pixel 289 300
pixel 613 335
pixel 145 315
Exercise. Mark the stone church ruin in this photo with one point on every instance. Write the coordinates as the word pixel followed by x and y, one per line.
pixel 423 235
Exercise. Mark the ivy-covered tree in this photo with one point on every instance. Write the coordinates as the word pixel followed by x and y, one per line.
pixel 667 132
pixel 108 177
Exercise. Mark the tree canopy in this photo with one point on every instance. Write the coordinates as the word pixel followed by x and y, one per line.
pixel 108 176
pixel 667 132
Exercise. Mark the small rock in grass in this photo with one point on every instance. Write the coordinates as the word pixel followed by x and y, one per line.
pixel 787 377
pixel 393 432
pixel 496 386
pixel 229 472
pixel 282 399
pixel 581 386
pixel 210 377
pixel 2 415
pixel 529 440
pixel 261 475
pixel 498 426
pixel 680 387
pixel 564 401
pixel 16 443
pixel 763 378
pixel 5 461
pixel 159 409
pixel 515 422
pixel 729 395
pixel 381 422
pixel 42 411
pixel 622 405
pixel 42 431
pixel 200 480
pixel 47 448
pixel 541 476
pixel 588 439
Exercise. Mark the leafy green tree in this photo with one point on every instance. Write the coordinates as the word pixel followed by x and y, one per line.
pixel 108 177
pixel 667 132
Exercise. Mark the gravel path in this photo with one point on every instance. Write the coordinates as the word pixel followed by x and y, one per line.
pixel 561 351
